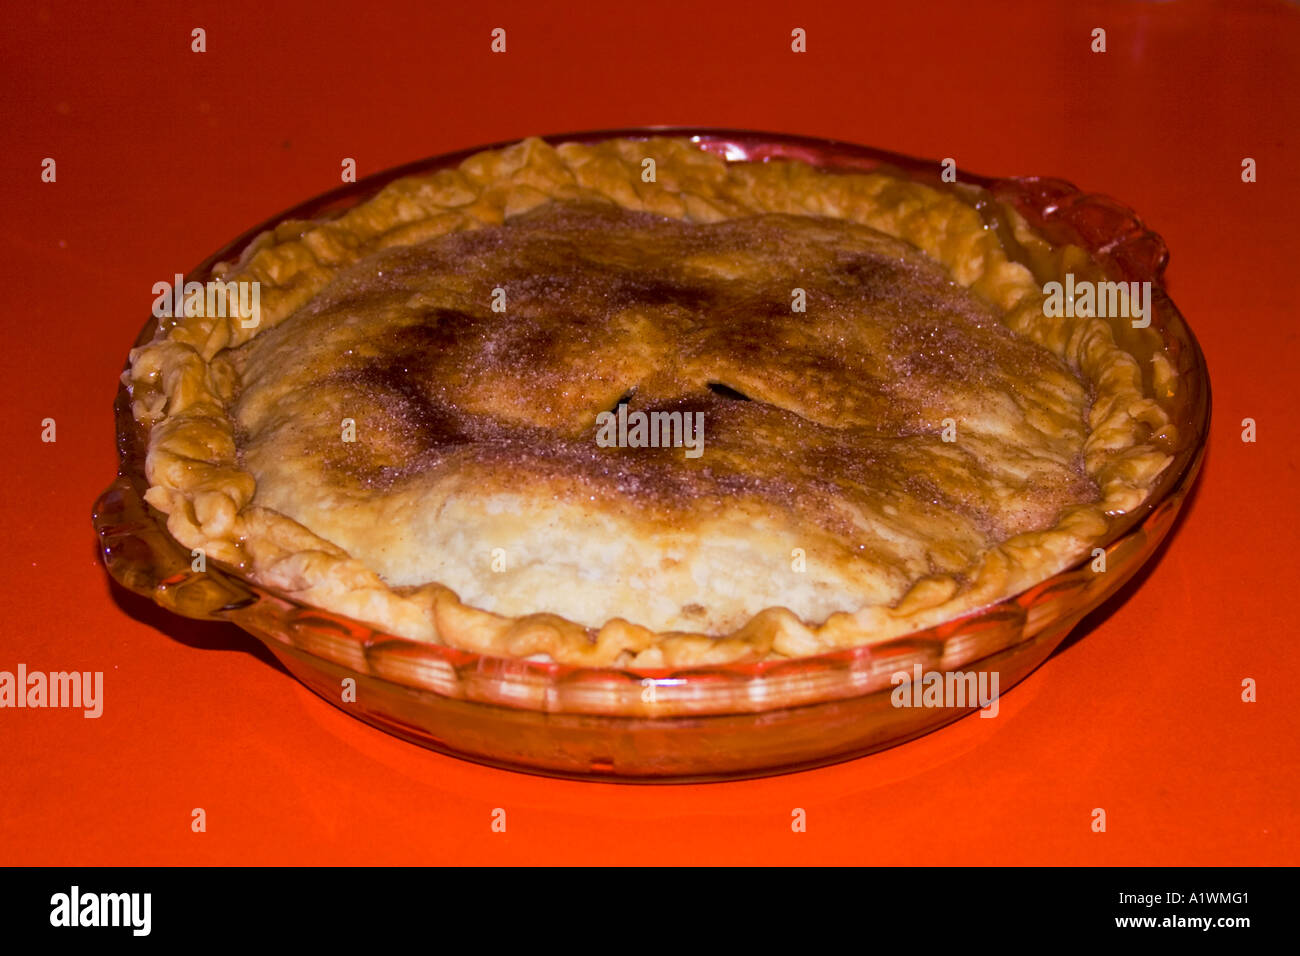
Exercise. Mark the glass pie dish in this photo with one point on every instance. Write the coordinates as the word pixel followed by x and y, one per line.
pixel 698 723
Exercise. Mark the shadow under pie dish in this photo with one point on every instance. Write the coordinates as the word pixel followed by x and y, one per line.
pixel 534 431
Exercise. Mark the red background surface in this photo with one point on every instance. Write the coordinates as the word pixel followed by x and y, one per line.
pixel 164 154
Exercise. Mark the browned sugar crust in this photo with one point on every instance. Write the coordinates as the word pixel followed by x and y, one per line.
pixel 808 412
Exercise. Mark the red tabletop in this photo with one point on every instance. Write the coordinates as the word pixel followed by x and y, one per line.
pixel 162 154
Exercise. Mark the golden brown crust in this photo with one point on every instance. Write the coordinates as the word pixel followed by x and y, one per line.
pixel 838 450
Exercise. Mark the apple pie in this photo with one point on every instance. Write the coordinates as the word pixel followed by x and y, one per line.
pixel 629 403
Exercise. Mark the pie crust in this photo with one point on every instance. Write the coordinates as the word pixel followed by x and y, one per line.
pixel 919 441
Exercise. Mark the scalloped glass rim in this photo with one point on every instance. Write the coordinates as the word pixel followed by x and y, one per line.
pixel 1018 632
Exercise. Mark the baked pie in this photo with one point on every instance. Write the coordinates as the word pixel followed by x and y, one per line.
pixel 548 404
